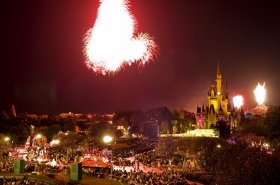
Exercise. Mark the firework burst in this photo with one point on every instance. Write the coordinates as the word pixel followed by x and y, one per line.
pixel 111 43
pixel 260 93
pixel 238 101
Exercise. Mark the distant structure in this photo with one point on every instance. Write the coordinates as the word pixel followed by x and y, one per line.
pixel 13 111
pixel 218 106
pixel 9 114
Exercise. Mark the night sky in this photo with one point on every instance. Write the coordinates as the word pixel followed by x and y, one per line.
pixel 43 71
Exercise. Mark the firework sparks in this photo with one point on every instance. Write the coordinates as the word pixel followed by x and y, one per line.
pixel 111 43
pixel 260 93
pixel 238 101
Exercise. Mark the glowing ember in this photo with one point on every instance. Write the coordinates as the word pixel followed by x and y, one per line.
pixel 260 93
pixel 111 43
pixel 238 101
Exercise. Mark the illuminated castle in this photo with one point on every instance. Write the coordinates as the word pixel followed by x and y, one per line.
pixel 218 106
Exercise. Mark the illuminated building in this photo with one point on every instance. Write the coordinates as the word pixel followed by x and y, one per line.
pixel 218 105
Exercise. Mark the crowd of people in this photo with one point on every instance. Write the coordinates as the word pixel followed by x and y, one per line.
pixel 150 178
pixel 6 163
pixel 21 181
pixel 172 177
pixel 134 165
pixel 144 167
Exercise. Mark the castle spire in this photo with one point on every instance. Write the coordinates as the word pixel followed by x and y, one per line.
pixel 219 73
pixel 226 87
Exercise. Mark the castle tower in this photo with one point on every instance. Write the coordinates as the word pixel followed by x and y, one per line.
pixel 219 80
pixel 218 106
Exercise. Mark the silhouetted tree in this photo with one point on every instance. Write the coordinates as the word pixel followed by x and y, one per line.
pixel 223 129
pixel 259 129
pixel 272 121
pixel 52 130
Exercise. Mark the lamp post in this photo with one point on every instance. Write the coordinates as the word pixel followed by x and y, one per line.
pixel 107 140
pixel 7 139
pixel 39 136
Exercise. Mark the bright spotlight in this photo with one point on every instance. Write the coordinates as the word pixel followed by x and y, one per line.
pixel 107 139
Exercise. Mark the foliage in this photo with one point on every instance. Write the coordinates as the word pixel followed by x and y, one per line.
pixel 223 129
pixel 4 126
pixel 122 118
pixel 135 119
pixel 259 129
pixel 98 129
pixel 52 130
pixel 272 121
pixel 118 134
pixel 68 127
pixel 19 133
pixel 164 127
pixel 185 120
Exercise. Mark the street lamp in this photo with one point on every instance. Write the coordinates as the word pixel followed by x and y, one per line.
pixel 38 136
pixel 6 139
pixel 107 140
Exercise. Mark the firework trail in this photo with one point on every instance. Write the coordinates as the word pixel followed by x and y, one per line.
pixel 111 43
